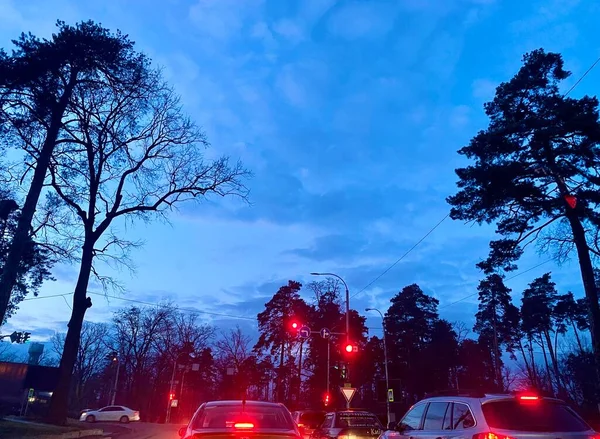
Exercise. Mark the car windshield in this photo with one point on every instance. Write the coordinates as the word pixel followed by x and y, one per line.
pixel 311 419
pixel 226 416
pixel 355 419
pixel 538 416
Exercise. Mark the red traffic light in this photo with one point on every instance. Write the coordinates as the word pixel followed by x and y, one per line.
pixel 571 201
pixel 294 325
pixel 349 348
pixel 326 399
pixel 171 396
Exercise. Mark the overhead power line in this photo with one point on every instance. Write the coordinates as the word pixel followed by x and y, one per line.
pixel 447 215
pixel 512 277
pixel 403 256
pixel 141 302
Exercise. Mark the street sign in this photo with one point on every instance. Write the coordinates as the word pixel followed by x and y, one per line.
pixel 391 395
pixel 174 403
pixel 348 393
pixel 325 333
pixel 304 332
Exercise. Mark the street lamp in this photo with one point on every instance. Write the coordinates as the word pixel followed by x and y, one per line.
pixel 387 379
pixel 347 301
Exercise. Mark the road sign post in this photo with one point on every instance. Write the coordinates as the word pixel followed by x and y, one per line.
pixel 348 393
pixel 325 333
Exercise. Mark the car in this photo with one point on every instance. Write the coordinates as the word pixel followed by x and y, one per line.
pixel 308 421
pixel 346 424
pixel 490 416
pixel 255 419
pixel 111 413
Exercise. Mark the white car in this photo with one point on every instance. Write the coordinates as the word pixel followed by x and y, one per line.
pixel 112 413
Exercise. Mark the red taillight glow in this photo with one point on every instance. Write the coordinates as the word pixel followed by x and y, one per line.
pixel 300 425
pixel 529 398
pixel 244 425
pixel 490 435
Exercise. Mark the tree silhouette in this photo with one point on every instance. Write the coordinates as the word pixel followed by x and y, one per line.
pixel 495 319
pixel 535 166
pixel 35 263
pixel 410 322
pixel 37 83
pixel 538 302
pixel 276 337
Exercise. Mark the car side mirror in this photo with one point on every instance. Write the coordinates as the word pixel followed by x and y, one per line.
pixel 392 425
pixel 182 431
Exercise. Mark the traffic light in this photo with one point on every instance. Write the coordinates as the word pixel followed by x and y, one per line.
pixel 326 399
pixel 295 325
pixel 350 348
pixel 15 337
pixel 344 373
pixel 171 396
pixel 26 336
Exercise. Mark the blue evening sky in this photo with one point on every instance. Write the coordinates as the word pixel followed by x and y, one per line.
pixel 349 113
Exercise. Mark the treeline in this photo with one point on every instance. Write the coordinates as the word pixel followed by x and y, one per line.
pixel 161 350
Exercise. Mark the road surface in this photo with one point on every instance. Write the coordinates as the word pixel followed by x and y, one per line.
pixel 141 430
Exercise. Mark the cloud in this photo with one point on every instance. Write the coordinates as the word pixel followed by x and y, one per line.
pixel 289 30
pixel 362 19
pixel 222 19
pixel 484 89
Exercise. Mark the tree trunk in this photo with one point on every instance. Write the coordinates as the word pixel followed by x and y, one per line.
pixel 527 368
pixel 533 366
pixel 548 373
pixel 577 337
pixel 280 393
pixel 10 270
pixel 554 364
pixel 589 284
pixel 57 413
pixel 497 371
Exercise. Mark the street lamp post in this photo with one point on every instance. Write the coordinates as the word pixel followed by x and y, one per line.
pixel 385 356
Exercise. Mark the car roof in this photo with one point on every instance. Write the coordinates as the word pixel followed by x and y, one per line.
pixel 239 402
pixel 483 398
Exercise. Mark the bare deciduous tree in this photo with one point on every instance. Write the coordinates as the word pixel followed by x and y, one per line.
pixel 130 153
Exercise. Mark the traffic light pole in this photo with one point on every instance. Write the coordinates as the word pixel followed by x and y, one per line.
pixel 347 308
pixel 167 419
pixel 114 395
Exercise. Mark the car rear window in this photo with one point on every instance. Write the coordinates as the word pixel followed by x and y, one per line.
pixel 537 416
pixel 312 419
pixel 225 416
pixel 356 419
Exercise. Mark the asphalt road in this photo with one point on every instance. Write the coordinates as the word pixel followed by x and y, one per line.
pixel 140 430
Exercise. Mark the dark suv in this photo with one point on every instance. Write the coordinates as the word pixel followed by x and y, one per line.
pixel 349 424
pixel 308 421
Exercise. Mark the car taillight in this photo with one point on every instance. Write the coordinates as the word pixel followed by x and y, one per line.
pixel 491 435
pixel 243 425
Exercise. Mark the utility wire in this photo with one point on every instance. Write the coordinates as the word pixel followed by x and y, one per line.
pixel 443 219
pixel 193 311
pixel 512 277
pixel 582 76
pixel 403 256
